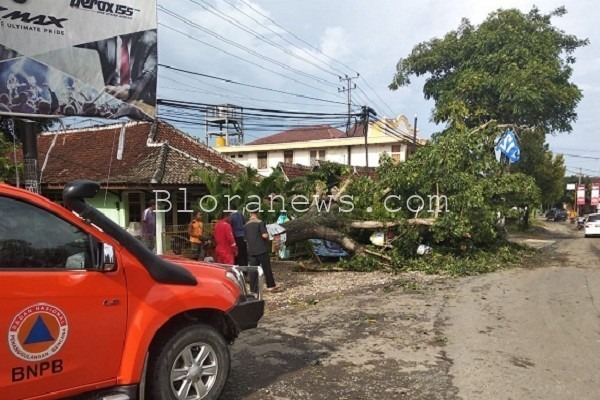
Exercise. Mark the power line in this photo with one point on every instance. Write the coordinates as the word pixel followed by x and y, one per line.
pixel 297 38
pixel 283 37
pixel 190 104
pixel 574 149
pixel 370 101
pixel 257 35
pixel 195 89
pixel 594 171
pixel 241 95
pixel 314 48
pixel 243 59
pixel 235 22
pixel 248 85
pixel 239 46
pixel 377 94
pixel 348 88
pixel 579 156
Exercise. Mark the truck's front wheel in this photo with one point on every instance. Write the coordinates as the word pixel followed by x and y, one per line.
pixel 192 364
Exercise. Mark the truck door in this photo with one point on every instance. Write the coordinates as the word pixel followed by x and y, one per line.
pixel 63 321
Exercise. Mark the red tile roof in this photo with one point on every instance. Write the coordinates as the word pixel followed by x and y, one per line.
pixel 153 154
pixel 293 171
pixel 356 131
pixel 371 172
pixel 304 134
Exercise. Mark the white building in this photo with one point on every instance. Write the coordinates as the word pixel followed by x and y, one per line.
pixel 308 145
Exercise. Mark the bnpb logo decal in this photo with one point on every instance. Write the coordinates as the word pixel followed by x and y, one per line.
pixel 38 332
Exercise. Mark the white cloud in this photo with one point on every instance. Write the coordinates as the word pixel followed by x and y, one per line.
pixel 335 42
pixel 370 38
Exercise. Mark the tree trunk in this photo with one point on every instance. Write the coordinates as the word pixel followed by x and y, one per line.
pixel 313 227
pixel 324 226
pixel 385 224
pixel 526 218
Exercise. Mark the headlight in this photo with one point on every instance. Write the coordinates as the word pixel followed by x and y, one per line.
pixel 236 277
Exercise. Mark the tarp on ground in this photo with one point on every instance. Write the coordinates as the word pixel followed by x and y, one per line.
pixel 324 248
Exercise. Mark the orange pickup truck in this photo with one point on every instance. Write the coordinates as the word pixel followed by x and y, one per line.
pixel 90 313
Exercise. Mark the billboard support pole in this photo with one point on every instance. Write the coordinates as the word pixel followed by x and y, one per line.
pixel 30 154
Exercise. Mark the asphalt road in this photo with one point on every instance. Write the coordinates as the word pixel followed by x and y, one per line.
pixel 530 334
pixel 526 333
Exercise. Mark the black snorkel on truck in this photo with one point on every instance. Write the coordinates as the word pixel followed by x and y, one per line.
pixel 159 269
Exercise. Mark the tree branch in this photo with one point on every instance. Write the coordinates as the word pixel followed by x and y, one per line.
pixel 385 224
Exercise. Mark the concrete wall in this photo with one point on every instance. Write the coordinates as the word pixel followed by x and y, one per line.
pixel 338 154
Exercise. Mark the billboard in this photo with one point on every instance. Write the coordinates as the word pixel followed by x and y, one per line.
pixel 78 58
pixel 595 194
pixel 580 194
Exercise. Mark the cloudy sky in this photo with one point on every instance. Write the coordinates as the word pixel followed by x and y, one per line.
pixel 301 47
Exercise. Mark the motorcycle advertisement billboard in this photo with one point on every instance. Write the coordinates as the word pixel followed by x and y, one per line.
pixel 78 58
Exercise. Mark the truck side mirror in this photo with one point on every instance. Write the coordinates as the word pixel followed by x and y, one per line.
pixel 110 261
pixel 103 255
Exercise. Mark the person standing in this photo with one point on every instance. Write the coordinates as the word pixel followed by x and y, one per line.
pixel 257 238
pixel 237 224
pixel 225 247
pixel 195 230
pixel 149 226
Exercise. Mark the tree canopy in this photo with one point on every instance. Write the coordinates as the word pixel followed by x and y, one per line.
pixel 7 168
pixel 461 166
pixel 538 162
pixel 514 68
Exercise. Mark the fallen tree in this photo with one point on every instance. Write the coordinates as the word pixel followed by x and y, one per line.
pixel 458 166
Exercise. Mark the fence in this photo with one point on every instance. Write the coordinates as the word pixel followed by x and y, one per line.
pixel 176 238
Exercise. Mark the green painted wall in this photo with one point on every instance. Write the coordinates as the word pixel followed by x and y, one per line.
pixel 108 206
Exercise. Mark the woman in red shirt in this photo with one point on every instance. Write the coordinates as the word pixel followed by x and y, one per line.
pixel 225 247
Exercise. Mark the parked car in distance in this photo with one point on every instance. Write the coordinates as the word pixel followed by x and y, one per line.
pixel 556 214
pixel 560 215
pixel 592 225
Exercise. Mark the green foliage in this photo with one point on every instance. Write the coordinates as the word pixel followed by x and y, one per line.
pixel 462 167
pixel 41 125
pixel 459 167
pixel 472 262
pixel 248 188
pixel 7 167
pixel 361 263
pixel 513 68
pixel 538 162
pixel 329 173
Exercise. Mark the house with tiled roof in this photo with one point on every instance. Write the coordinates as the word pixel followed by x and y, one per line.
pixel 130 161
pixel 308 145
pixel 295 171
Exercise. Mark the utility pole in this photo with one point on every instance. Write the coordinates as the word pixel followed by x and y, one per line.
pixel 364 118
pixel 348 88
pixel 579 206
pixel 414 144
